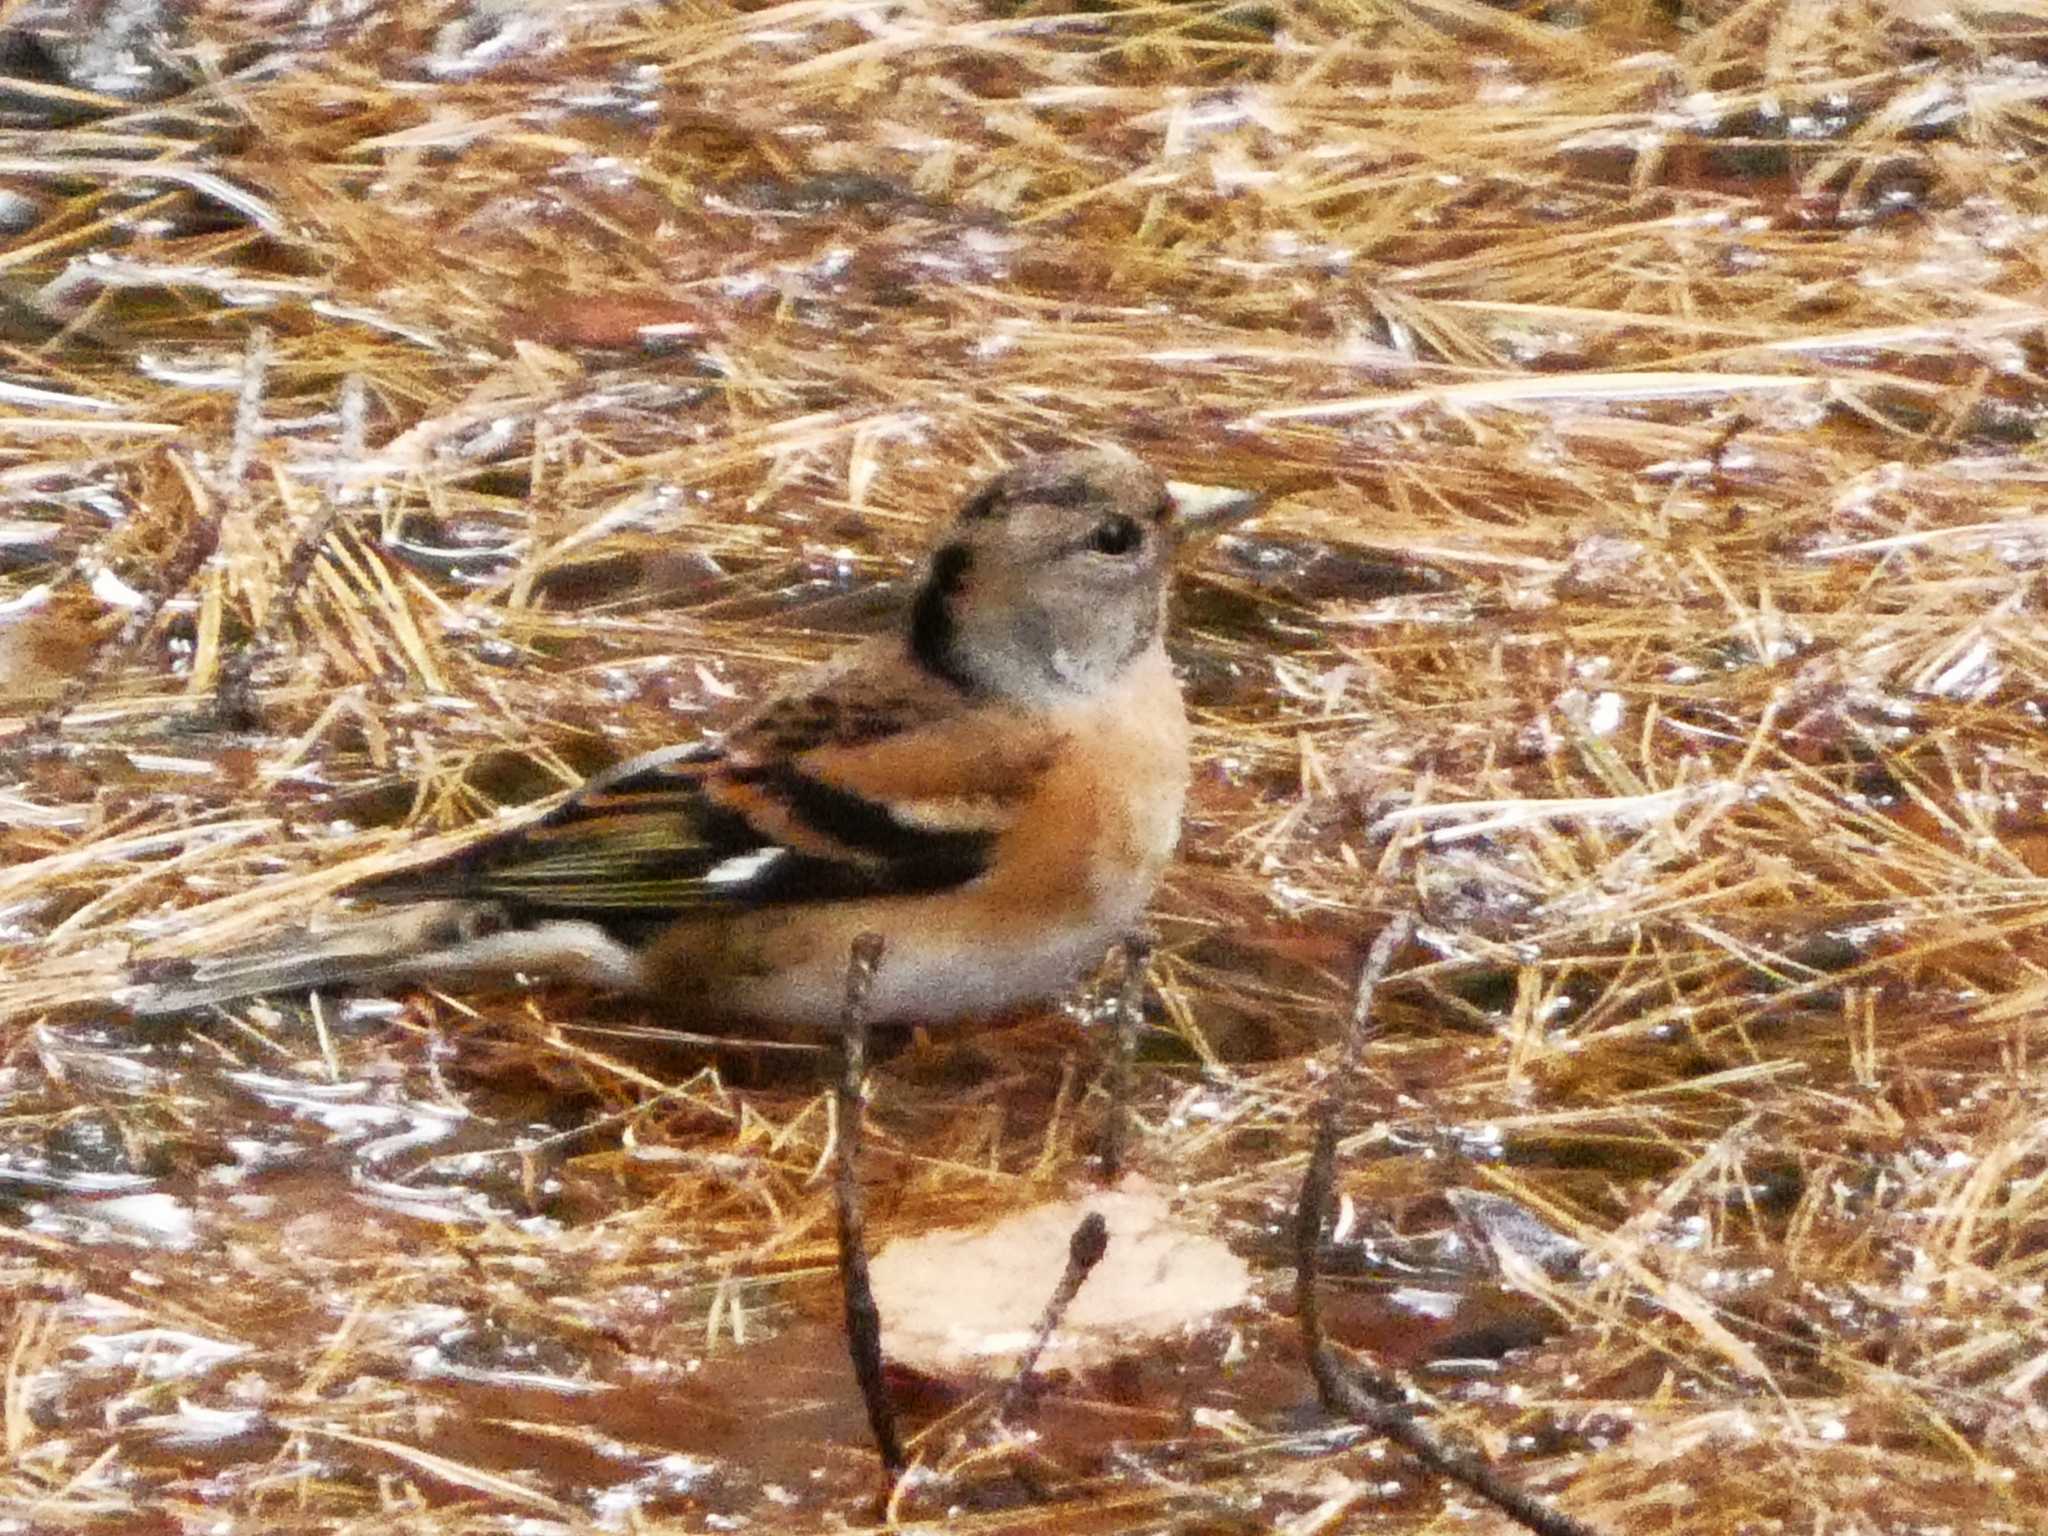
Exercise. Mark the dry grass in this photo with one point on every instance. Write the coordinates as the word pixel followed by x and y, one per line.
pixel 1661 622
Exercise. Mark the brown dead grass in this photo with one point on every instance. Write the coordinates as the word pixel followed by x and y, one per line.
pixel 1660 621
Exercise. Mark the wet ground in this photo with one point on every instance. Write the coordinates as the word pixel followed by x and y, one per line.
pixel 407 411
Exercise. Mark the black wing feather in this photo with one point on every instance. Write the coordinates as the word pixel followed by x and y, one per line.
pixel 650 841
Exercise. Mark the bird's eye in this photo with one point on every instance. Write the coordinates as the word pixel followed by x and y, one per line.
pixel 1115 536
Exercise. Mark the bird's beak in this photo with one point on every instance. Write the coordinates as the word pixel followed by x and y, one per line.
pixel 1206 510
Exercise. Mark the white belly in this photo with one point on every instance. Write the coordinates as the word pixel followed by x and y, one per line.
pixel 919 983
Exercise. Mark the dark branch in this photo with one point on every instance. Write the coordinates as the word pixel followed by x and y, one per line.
pixel 1084 1251
pixel 1366 1396
pixel 863 1319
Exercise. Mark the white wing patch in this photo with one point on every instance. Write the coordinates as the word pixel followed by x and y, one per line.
pixel 742 867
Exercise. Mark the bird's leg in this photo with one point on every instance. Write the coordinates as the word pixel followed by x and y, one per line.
pixel 1136 950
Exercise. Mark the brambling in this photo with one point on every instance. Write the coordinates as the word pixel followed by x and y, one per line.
pixel 994 789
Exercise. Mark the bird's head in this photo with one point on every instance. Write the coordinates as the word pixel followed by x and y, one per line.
pixel 1053 576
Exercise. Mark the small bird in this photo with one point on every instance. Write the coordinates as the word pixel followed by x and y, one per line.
pixel 994 789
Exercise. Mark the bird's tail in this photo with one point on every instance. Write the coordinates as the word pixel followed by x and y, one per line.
pixel 397 945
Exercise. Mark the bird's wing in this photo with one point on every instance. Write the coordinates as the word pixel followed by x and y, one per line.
pixel 830 794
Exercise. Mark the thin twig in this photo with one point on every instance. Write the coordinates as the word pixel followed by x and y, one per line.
pixel 1084 1251
pixel 863 1318
pixel 1515 391
pixel 1367 1396
pixel 1130 1012
pixel 248 413
pixel 233 698
pixel 231 687
pixel 204 182
pixel 1318 1183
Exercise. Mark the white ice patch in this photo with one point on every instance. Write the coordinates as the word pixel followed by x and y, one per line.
pixel 160 1218
pixel 156 1354
pixel 965 1302
pixel 113 591
pixel 195 1424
